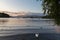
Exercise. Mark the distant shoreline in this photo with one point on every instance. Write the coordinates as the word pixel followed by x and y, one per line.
pixel 4 15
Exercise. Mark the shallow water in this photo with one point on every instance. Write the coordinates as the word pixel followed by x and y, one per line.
pixel 42 36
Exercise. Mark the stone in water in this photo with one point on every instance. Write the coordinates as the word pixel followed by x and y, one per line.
pixel 37 35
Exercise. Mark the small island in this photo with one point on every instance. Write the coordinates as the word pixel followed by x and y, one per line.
pixel 4 15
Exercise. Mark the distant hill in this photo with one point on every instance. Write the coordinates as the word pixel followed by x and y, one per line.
pixel 35 14
pixel 24 14
pixel 31 15
pixel 4 15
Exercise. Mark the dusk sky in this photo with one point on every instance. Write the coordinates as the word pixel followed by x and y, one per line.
pixel 21 5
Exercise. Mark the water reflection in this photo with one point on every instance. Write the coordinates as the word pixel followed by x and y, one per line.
pixel 12 22
pixel 3 21
pixel 19 23
pixel 57 28
pixel 25 22
pixel 45 26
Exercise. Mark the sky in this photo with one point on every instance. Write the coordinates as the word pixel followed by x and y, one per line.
pixel 21 5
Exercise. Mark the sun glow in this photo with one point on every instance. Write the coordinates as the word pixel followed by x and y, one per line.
pixel 2 6
pixel 6 7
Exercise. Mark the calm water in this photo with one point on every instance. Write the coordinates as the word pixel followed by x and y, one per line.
pixel 26 23
pixel 30 23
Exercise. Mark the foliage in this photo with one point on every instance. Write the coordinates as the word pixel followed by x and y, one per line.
pixel 52 8
pixel 3 15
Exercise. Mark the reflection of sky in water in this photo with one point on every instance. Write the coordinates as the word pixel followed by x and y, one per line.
pixel 3 21
pixel 16 22
pixel 28 23
pixel 12 22
pixel 24 22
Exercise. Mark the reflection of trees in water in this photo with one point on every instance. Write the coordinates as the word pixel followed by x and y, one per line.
pixel 2 21
pixel 57 21
pixel 14 22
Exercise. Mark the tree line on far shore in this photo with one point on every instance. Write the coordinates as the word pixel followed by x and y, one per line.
pixel 4 15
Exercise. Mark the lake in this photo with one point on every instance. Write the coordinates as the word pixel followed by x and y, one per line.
pixel 21 28
pixel 26 22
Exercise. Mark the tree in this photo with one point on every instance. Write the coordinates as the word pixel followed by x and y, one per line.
pixel 52 8
pixel 3 15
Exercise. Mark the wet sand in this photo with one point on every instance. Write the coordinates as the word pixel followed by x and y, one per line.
pixel 42 36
